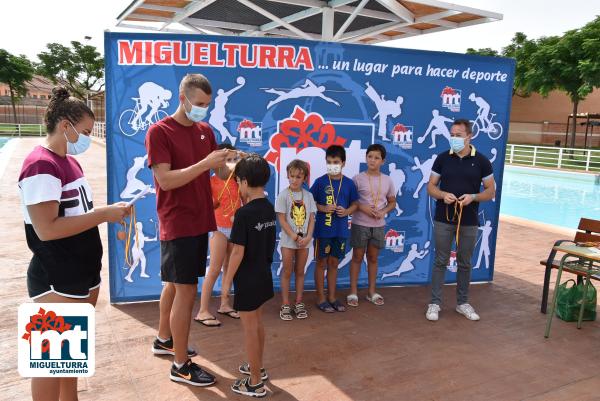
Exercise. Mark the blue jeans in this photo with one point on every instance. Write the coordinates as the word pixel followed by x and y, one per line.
pixel 444 235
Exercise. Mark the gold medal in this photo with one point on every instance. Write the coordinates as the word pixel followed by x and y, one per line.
pixel 374 199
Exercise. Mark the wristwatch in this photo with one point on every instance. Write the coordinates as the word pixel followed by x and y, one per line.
pixel 474 197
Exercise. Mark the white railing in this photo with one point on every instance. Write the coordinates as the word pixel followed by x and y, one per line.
pixel 7 129
pixel 99 131
pixel 553 157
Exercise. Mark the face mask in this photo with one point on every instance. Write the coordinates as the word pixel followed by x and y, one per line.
pixel 457 144
pixel 334 169
pixel 81 145
pixel 196 113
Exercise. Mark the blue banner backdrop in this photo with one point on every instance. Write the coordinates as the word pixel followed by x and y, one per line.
pixel 287 99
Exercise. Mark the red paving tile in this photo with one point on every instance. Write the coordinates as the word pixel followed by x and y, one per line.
pixel 368 353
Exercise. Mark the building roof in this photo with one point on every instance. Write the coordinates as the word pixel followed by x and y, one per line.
pixel 41 84
pixel 349 21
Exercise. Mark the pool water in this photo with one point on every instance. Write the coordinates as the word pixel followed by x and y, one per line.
pixel 548 196
pixel 3 141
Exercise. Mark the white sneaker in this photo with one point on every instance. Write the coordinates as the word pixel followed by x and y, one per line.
pixel 468 311
pixel 433 311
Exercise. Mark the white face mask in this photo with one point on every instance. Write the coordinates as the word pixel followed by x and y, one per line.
pixel 334 169
pixel 457 143
pixel 196 113
pixel 81 145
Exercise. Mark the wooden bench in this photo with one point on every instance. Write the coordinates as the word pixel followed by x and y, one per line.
pixel 588 231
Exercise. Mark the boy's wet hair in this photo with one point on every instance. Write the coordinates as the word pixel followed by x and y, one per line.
pixel 254 169
pixel 465 123
pixel 297 164
pixel 376 147
pixel 225 145
pixel 336 151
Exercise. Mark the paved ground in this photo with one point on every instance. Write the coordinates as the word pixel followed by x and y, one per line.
pixel 370 353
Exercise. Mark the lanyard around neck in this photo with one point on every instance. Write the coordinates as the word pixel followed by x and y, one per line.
pixel 337 197
pixel 373 198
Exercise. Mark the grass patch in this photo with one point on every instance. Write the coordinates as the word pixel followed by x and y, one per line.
pixel 29 129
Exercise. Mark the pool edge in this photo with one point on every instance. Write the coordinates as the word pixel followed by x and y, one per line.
pixel 542 226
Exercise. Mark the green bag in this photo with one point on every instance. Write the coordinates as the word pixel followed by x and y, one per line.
pixel 568 302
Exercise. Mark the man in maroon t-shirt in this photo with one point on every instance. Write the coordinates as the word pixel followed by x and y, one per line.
pixel 181 151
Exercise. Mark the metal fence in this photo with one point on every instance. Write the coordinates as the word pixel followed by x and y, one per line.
pixel 18 130
pixel 553 157
pixel 22 129
pixel 99 131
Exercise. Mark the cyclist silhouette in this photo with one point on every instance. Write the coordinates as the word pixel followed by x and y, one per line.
pixel 483 111
pixel 153 95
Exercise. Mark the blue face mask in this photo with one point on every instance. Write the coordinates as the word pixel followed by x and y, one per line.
pixel 196 113
pixel 81 145
pixel 457 143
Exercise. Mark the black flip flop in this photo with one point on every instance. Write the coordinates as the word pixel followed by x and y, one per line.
pixel 337 305
pixel 201 321
pixel 230 313
pixel 326 307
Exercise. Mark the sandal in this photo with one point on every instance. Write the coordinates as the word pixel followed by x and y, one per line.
pixel 300 310
pixel 352 300
pixel 243 387
pixel 325 307
pixel 209 319
pixel 245 369
pixel 375 299
pixel 231 313
pixel 337 305
pixel 285 313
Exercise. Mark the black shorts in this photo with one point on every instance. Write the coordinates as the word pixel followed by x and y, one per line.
pixel 39 283
pixel 251 294
pixel 183 260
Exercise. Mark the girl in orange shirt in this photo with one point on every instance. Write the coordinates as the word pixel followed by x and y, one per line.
pixel 226 200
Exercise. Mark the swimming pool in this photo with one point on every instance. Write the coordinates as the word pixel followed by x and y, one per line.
pixel 7 145
pixel 548 196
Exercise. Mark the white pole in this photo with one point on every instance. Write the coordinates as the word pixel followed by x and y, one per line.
pixel 587 161
pixel 560 156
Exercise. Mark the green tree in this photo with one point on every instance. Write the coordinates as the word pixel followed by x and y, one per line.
pixel 15 71
pixel 569 63
pixel 79 67
pixel 520 48
pixel 483 52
